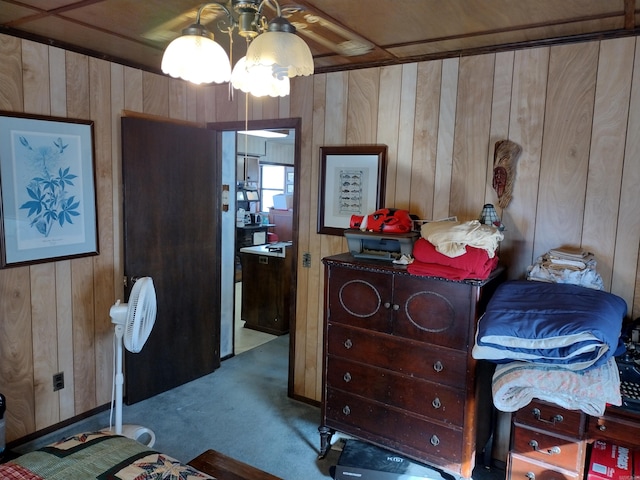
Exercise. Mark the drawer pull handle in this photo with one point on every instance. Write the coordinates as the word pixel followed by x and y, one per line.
pixel 346 410
pixel 435 441
pixel 396 307
pixel 602 428
pixel 530 475
pixel 348 344
pixel 555 419
pixel 387 305
pixel 436 403
pixel 551 451
pixel 438 367
pixel 347 377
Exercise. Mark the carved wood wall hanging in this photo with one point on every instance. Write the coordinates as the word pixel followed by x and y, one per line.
pixel 504 170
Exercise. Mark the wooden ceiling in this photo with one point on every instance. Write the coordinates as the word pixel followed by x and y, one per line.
pixel 342 34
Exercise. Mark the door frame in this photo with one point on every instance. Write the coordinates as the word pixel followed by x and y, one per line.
pixel 296 125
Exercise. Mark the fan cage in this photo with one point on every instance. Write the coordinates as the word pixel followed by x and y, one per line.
pixel 141 314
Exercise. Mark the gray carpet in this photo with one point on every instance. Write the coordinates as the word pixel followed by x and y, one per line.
pixel 241 410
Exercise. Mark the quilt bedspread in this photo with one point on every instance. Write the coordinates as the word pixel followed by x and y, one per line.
pixel 99 455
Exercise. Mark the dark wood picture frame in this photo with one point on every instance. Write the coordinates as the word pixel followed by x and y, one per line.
pixel 48 207
pixel 352 182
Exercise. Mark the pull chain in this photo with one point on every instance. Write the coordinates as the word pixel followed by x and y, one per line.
pixel 246 116
pixel 230 30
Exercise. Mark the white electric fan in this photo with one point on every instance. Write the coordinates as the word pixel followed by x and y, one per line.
pixel 133 323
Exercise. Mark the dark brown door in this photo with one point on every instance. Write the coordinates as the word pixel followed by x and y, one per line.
pixel 171 233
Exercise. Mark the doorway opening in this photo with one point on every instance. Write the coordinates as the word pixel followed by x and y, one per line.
pixel 263 240
pixel 260 232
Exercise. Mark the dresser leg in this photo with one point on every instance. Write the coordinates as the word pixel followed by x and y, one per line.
pixel 325 440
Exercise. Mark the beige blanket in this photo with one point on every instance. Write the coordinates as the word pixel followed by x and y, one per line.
pixel 515 384
pixel 452 238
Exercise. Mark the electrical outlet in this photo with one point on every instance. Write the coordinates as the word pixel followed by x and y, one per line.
pixel 306 260
pixel 58 381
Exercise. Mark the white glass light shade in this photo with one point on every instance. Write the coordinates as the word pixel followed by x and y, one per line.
pixel 197 59
pixel 259 82
pixel 287 53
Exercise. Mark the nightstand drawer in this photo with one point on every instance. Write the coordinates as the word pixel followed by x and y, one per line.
pixel 521 468
pixel 614 429
pixel 561 452
pixel 432 400
pixel 552 418
pixel 435 364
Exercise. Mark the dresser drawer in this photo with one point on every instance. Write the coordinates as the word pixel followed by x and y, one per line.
pixel 353 414
pixel 617 429
pixel 522 468
pixel 436 364
pixel 552 418
pixel 561 452
pixel 424 398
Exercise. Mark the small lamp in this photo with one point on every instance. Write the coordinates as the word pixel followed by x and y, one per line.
pixel 489 216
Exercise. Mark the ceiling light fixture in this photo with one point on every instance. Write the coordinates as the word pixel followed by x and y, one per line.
pixel 265 133
pixel 275 53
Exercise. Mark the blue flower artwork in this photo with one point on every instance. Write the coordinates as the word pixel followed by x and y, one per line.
pixel 50 200
pixel 48 207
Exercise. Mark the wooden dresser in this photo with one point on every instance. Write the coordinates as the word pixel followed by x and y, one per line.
pixel 398 370
pixel 551 443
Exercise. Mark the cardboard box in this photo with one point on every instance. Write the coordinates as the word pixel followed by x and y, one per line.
pixel 610 462
pixel 282 202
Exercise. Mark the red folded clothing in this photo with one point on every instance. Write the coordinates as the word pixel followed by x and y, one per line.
pixel 475 264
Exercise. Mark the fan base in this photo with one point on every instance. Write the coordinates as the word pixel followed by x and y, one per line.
pixel 138 433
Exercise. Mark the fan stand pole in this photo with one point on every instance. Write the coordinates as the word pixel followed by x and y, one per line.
pixel 135 432
pixel 119 378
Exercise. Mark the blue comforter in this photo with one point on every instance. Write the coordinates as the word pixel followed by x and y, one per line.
pixel 562 324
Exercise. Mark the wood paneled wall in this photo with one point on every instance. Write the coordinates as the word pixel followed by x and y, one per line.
pixel 575 110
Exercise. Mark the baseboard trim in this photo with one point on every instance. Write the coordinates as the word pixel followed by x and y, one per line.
pixel 57 426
